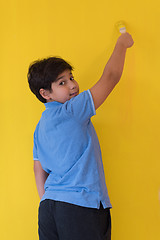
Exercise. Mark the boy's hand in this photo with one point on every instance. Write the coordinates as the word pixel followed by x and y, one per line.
pixel 126 40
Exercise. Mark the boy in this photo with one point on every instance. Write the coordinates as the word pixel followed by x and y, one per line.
pixel 67 159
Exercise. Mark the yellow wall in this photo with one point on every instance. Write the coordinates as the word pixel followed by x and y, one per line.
pixel 83 32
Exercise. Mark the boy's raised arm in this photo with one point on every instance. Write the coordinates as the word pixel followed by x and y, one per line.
pixel 112 71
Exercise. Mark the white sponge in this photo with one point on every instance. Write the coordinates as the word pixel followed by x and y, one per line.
pixel 121 27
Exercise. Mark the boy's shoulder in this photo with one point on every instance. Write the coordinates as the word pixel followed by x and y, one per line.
pixel 80 108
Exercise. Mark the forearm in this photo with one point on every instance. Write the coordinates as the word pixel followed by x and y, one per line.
pixel 115 64
pixel 40 177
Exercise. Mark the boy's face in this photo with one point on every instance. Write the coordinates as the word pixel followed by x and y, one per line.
pixel 63 89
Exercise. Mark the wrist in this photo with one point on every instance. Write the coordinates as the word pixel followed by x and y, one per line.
pixel 121 45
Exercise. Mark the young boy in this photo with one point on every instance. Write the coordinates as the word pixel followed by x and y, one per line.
pixel 67 158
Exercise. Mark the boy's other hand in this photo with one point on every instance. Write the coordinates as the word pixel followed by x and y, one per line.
pixel 126 40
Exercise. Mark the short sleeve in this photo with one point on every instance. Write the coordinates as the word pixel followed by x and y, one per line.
pixel 35 154
pixel 81 107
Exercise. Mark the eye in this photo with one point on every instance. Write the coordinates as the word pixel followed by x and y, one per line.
pixel 62 83
pixel 71 78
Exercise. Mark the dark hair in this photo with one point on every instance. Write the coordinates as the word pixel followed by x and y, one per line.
pixel 43 72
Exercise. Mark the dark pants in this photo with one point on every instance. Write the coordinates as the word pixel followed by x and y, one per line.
pixel 65 221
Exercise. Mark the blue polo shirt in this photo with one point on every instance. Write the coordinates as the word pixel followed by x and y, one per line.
pixel 66 144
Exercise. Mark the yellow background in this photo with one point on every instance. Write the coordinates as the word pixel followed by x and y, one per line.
pixel 83 32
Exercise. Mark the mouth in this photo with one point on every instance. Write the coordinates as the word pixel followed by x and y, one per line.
pixel 73 94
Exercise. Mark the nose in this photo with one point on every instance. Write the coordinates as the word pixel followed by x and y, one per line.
pixel 72 85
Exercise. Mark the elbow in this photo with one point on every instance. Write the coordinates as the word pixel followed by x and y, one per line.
pixel 116 76
pixel 113 76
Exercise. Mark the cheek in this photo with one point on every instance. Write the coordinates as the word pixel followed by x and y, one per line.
pixel 64 93
pixel 77 85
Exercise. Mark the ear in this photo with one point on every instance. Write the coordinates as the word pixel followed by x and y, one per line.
pixel 45 93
